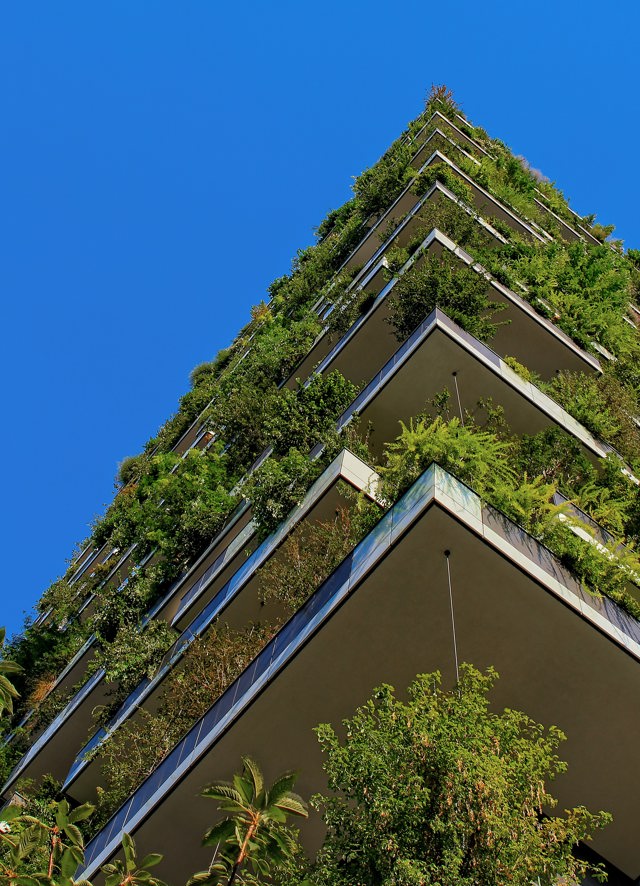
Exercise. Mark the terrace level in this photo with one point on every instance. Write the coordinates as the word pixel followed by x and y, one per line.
pixel 384 615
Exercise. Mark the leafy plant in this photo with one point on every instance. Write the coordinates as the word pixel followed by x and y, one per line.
pixel 442 282
pixel 601 404
pixel 132 871
pixel 475 456
pixel 7 690
pixel 252 829
pixel 278 486
pixel 35 850
pixel 441 789
pixel 311 553
pixel 209 665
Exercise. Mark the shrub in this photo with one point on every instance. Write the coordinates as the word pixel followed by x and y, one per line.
pixel 445 283
pixel 312 552
pixel 442 789
pixel 129 469
pixel 278 486
pixel 601 404
pixel 475 456
pixel 209 666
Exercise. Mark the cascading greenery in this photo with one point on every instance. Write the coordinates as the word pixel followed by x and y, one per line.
pixel 499 468
pixel 174 506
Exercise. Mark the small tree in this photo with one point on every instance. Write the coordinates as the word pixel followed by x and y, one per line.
pixel 254 828
pixel 33 851
pixel 132 871
pixel 440 790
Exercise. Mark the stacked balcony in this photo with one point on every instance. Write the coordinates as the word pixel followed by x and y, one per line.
pixel 565 656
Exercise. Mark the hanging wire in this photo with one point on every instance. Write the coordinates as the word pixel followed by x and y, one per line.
pixel 447 554
pixel 455 381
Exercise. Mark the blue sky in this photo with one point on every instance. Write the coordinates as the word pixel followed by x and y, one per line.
pixel 162 162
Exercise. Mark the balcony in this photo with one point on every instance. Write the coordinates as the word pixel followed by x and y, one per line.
pixel 407 202
pixel 238 598
pixel 440 137
pixel 438 355
pixel 372 278
pixel 119 573
pixel 53 749
pixel 384 615
pixel 449 128
pixel 533 340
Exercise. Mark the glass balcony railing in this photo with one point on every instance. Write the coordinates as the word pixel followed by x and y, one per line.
pixel 218 603
pixel 53 727
pixel 435 485
pixel 237 696
pixel 199 586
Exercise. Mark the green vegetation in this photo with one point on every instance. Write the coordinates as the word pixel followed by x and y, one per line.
pixel 508 473
pixel 171 500
pixel 435 789
pixel 209 666
pixel 442 282
pixel 254 831
pixel 213 661
pixel 46 850
pixel 8 691
pixel 312 552
pixel 585 289
pixel 439 789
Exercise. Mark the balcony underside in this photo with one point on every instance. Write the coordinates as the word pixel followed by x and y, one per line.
pixel 564 658
pixel 437 356
pixel 239 602
pixel 55 748
pixel 523 333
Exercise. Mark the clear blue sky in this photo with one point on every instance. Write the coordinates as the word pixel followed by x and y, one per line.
pixel 161 162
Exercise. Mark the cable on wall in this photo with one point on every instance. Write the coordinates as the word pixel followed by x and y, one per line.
pixel 447 555
pixel 455 381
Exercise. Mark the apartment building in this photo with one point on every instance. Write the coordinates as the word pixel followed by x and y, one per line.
pixel 443 574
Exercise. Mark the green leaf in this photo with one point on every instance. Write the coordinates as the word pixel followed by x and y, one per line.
pixel 151 860
pixel 62 813
pixel 244 787
pixel 293 804
pixel 281 787
pixel 129 849
pixel 68 864
pixel 219 833
pixel 74 834
pixel 224 791
pixel 9 813
pixel 81 813
pixel 254 770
